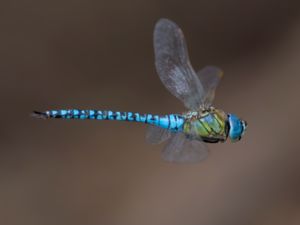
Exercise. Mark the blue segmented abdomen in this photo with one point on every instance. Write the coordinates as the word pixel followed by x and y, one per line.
pixel 173 122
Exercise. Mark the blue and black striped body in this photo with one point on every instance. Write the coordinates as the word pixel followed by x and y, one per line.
pixel 173 122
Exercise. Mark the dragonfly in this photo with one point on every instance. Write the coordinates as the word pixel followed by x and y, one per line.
pixel 188 133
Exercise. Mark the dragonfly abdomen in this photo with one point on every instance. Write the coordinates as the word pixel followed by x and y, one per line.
pixel 172 122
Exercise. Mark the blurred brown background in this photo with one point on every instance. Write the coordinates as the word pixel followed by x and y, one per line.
pixel 99 54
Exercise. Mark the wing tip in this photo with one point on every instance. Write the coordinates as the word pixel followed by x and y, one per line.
pixel 164 21
pixel 220 72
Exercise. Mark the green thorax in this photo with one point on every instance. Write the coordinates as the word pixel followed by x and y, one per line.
pixel 209 125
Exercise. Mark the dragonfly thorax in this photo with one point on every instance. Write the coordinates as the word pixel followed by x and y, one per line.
pixel 207 124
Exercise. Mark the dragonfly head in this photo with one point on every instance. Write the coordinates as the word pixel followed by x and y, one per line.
pixel 237 127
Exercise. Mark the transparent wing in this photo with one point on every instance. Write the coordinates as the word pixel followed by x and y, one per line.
pixel 173 65
pixel 157 135
pixel 182 150
pixel 210 77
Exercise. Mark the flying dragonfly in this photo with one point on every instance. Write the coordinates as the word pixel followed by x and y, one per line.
pixel 187 133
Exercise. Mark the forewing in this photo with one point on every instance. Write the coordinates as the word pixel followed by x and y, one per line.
pixel 173 65
pixel 157 135
pixel 182 150
pixel 210 77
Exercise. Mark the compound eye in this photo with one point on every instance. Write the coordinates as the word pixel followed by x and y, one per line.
pixel 242 126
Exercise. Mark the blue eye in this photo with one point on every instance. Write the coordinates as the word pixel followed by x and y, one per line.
pixel 236 127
